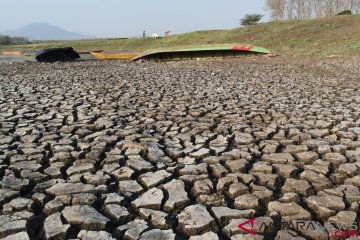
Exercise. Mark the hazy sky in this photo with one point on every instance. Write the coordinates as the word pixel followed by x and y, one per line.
pixel 120 18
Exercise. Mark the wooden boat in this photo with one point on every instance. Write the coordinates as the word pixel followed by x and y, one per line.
pixel 124 56
pixel 209 51
pixel 88 52
pixel 11 53
pixel 56 55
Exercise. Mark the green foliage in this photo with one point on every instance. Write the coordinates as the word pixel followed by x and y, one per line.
pixel 6 40
pixel 251 19
pixel 346 12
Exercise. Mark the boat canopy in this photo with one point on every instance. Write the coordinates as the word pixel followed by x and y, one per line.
pixel 56 55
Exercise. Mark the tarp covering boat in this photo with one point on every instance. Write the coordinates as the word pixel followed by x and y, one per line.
pixel 210 51
pixel 56 55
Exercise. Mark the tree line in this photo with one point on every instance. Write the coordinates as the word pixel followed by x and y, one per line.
pixel 307 9
pixel 6 40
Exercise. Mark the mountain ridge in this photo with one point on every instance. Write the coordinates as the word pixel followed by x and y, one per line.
pixel 45 31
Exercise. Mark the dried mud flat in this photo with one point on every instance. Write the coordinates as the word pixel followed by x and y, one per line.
pixel 111 150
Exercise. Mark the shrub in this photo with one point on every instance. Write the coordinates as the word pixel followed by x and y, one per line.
pixel 6 40
pixel 251 19
pixel 346 12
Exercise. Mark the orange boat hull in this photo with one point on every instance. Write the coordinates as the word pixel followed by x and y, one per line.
pixel 114 55
pixel 11 53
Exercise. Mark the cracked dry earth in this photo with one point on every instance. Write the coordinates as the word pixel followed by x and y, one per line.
pixel 111 150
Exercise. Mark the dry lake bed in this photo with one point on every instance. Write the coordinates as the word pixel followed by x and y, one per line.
pixel 181 150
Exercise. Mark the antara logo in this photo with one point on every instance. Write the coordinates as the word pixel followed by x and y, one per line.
pixel 342 230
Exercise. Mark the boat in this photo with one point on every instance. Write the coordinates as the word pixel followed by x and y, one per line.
pixel 88 52
pixel 208 51
pixel 124 56
pixel 11 53
pixel 52 55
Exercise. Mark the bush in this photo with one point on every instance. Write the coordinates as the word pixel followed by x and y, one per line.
pixel 251 19
pixel 6 40
pixel 346 12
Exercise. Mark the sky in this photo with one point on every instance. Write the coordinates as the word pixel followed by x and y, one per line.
pixel 128 18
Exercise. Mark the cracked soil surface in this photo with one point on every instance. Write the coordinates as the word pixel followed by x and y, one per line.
pixel 184 150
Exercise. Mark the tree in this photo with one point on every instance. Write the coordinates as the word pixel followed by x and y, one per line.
pixel 6 40
pixel 307 9
pixel 277 8
pixel 251 19
pixel 19 41
pixel 346 12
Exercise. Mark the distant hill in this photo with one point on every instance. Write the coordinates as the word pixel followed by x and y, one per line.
pixel 44 31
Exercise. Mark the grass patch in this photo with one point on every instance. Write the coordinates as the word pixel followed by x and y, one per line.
pixel 305 38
